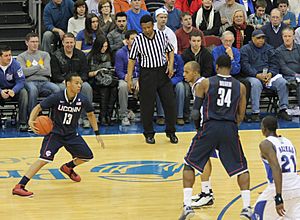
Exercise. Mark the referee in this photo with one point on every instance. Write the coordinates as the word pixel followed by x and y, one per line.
pixel 151 47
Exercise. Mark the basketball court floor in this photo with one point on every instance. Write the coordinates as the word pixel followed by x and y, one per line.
pixel 129 179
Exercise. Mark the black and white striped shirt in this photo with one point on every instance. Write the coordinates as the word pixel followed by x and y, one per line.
pixel 152 52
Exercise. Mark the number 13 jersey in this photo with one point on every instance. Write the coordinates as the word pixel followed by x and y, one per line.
pixel 222 99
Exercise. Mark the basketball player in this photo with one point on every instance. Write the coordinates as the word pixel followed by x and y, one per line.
pixel 205 198
pixel 224 105
pixel 66 107
pixel 279 157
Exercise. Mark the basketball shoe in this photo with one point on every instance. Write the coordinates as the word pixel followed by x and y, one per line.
pixel 70 172
pixel 20 190
pixel 204 200
pixel 246 213
pixel 187 213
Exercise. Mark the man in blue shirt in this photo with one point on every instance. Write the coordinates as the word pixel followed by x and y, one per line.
pixel 56 16
pixel 12 82
pixel 66 107
pixel 134 16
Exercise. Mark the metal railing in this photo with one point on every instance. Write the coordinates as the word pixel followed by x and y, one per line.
pixel 35 12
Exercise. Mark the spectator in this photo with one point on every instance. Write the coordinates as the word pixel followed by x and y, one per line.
pixel 155 76
pixel 271 4
pixel 85 38
pixel 177 81
pixel 288 55
pixel 288 17
pixel 71 60
pixel 134 16
pixel 273 30
pixel 121 66
pixel 161 15
pixel 173 15
pixel 235 56
pixel 12 84
pixel 36 67
pixel 153 5
pixel 77 22
pixel 56 16
pixel 124 5
pixel 99 60
pixel 218 3
pixel 116 38
pixel 207 19
pixel 259 64
pixel 183 33
pixel 294 7
pixel 93 6
pixel 249 6
pixel 297 35
pixel 200 54
pixel 226 13
pixel 242 32
pixel 190 6
pixel 259 18
pixel 106 21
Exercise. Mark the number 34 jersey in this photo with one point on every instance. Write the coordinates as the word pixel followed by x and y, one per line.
pixel 66 113
pixel 286 156
pixel 222 99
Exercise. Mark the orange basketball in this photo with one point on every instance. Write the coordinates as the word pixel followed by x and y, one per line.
pixel 44 124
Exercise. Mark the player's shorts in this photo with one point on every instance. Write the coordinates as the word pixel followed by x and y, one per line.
pixel 73 143
pixel 265 205
pixel 220 135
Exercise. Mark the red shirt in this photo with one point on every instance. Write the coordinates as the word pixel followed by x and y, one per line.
pixel 183 6
pixel 183 39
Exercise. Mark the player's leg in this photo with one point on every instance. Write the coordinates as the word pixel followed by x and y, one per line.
pixel 49 148
pixel 80 152
pixel 205 198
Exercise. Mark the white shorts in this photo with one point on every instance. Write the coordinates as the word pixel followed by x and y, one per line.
pixel 265 206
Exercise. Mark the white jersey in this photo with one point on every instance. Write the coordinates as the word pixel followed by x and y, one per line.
pixel 198 81
pixel 286 156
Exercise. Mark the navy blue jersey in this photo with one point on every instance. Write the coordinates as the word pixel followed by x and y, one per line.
pixel 64 113
pixel 222 99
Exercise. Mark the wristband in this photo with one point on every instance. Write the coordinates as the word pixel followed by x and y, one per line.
pixel 278 199
pixel 97 132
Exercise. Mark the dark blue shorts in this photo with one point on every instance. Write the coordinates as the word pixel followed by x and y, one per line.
pixel 73 143
pixel 220 135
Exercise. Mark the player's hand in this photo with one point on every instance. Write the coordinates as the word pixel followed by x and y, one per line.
pixel 280 210
pixel 11 93
pixel 4 94
pixel 32 126
pixel 100 141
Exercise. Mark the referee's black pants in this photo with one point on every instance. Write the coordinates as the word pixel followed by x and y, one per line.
pixel 154 80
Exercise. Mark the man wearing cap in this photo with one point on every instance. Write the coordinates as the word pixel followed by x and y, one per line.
pixel 259 64
pixel 161 15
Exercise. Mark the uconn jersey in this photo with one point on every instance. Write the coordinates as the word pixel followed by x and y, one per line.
pixel 66 113
pixel 222 99
pixel 286 156
pixel 198 81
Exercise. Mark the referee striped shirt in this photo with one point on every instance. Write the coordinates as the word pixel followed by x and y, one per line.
pixel 151 52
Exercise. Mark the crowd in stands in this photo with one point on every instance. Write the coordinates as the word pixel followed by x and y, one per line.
pixel 94 37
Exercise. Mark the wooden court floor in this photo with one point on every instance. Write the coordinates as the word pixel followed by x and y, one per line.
pixel 127 180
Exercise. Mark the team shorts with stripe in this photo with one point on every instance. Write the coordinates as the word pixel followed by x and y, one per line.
pixel 73 143
pixel 220 135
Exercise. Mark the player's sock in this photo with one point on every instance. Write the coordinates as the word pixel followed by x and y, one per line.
pixel 24 180
pixel 246 198
pixel 187 196
pixel 71 164
pixel 205 187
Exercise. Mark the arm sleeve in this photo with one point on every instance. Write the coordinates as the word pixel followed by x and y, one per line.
pixel 134 50
pixel 48 22
pixel 57 75
pixel 235 63
pixel 283 67
pixel 84 67
pixel 178 65
pixel 28 71
pixel 19 77
pixel 245 63
pixel 119 65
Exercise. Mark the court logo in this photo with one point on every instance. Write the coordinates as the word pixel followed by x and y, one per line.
pixel 140 171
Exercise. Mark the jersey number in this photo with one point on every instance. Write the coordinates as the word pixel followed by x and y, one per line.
pixel 224 97
pixel 67 119
pixel 287 166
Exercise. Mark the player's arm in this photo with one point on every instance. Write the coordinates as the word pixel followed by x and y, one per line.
pixel 200 91
pixel 242 104
pixel 93 122
pixel 268 153
pixel 33 115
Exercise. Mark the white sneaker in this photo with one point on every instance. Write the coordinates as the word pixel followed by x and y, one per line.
pixel 198 196
pixel 187 213
pixel 204 200
pixel 125 121
pixel 246 213
pixel 130 115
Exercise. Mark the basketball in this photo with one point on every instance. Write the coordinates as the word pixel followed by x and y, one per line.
pixel 44 124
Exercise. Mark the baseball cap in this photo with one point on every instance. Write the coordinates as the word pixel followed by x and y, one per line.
pixel 258 33
pixel 160 11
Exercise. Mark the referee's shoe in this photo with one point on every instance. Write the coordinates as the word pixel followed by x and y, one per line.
pixel 173 138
